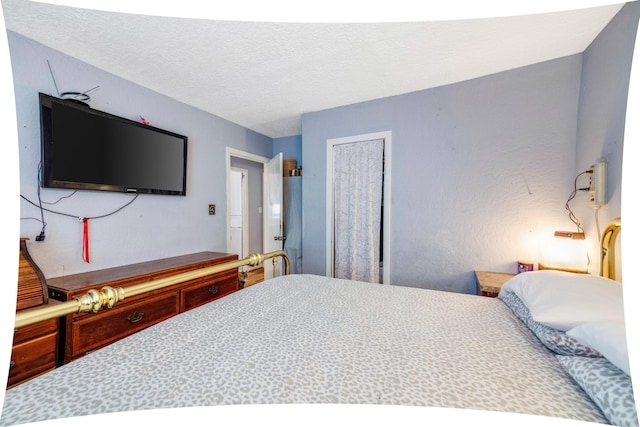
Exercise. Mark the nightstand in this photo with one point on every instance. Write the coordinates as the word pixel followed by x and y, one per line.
pixel 490 282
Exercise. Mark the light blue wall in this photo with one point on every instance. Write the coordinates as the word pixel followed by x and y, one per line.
pixel 153 226
pixel 479 171
pixel 290 147
pixel 601 121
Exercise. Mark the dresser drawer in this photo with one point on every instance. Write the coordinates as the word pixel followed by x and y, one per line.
pixel 208 289
pixel 96 330
pixel 37 329
pixel 33 357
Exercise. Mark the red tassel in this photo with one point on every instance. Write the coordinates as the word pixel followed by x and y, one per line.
pixel 85 240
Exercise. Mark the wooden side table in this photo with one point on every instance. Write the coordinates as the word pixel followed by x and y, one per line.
pixel 490 282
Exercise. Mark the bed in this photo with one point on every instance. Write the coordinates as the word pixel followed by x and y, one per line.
pixel 539 348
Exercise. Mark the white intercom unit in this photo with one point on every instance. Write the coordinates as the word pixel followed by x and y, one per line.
pixel 598 185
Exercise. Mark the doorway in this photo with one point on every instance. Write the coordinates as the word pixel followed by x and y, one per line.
pixel 263 205
pixel 383 239
pixel 239 212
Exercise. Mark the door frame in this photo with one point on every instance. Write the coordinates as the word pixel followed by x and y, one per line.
pixel 386 222
pixel 244 202
pixel 232 152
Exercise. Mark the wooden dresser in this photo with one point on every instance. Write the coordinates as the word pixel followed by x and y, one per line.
pixel 35 347
pixel 85 332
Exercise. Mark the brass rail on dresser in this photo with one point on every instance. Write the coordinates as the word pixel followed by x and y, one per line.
pixel 107 297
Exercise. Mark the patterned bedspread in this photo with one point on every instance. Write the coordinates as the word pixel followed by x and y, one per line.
pixel 310 339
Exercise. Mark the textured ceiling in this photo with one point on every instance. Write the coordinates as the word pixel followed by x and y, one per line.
pixel 264 75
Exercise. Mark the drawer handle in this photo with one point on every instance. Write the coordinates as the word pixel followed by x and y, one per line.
pixel 214 290
pixel 12 364
pixel 135 317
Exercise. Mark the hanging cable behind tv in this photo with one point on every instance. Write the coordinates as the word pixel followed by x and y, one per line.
pixel 79 97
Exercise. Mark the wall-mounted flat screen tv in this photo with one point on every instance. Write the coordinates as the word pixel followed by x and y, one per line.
pixel 87 149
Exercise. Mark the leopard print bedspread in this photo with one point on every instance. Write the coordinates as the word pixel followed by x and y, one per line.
pixel 310 339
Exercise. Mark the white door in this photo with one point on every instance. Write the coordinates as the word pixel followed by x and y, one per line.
pixel 272 201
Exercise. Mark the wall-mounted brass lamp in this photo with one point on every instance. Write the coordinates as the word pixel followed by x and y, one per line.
pixel 570 235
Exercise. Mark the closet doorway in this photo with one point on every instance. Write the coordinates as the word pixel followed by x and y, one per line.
pixel 358 207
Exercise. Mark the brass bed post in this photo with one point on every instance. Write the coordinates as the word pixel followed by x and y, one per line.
pixel 608 249
pixel 107 297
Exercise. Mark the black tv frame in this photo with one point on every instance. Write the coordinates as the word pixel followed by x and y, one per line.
pixel 48 150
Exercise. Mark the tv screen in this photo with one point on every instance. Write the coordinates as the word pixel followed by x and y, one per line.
pixel 87 149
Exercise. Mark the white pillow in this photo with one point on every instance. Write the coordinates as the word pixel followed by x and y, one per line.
pixel 563 300
pixel 608 337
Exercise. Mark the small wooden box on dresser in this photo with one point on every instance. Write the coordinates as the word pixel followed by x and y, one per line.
pixel 35 347
pixel 85 332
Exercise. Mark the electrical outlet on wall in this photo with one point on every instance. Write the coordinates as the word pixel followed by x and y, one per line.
pixel 598 185
pixel 212 209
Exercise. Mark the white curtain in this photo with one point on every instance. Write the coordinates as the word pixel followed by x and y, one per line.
pixel 357 192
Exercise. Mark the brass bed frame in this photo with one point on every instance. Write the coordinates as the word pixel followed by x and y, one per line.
pixel 107 297
pixel 608 249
